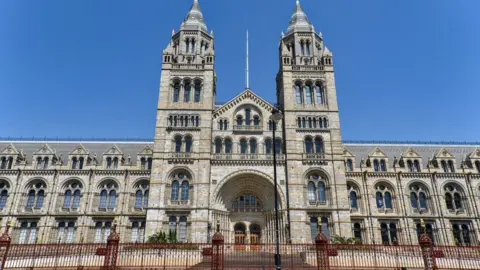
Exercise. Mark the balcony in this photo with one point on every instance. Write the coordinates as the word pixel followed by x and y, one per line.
pixel 248 128
pixel 247 156
pixel 314 158
pixel 307 68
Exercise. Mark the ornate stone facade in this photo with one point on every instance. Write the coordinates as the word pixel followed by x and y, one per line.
pixel 212 162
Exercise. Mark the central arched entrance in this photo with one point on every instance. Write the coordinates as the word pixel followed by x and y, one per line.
pixel 244 205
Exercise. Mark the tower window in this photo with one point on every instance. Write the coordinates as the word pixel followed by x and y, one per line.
pixel 198 91
pixel 298 93
pixel 176 92
pixel 308 93
pixel 187 91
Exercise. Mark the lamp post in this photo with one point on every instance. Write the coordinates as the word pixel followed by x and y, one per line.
pixel 276 117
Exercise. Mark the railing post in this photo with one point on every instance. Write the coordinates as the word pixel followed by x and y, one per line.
pixel 217 252
pixel 426 245
pixel 111 255
pixel 5 241
pixel 321 246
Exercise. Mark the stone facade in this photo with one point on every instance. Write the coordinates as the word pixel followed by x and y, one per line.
pixel 212 162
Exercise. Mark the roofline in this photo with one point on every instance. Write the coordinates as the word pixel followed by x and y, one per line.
pixel 151 140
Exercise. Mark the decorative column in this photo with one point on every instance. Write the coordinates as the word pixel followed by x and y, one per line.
pixel 5 241
pixel 217 242
pixel 426 245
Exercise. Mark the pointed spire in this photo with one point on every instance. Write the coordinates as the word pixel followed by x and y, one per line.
pixel 299 21
pixel 194 19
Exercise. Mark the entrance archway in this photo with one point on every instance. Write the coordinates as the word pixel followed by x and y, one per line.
pixel 244 204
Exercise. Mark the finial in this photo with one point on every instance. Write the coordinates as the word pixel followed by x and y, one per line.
pixel 9 223
pixel 422 224
pixel 283 34
pixel 247 75
pixel 298 2
pixel 173 32
pixel 211 33
pixel 319 221
pixel 218 224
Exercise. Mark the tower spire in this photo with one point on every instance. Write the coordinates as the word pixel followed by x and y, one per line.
pixel 194 19
pixel 299 20
pixel 247 72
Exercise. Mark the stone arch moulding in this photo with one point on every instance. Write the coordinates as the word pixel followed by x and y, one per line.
pixel 246 173
pixel 178 168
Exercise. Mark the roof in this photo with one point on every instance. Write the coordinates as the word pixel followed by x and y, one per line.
pixel 194 19
pixel 299 21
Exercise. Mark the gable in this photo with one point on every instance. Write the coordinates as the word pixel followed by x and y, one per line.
pixel 410 153
pixel 146 151
pixel 377 152
pixel 475 154
pixel 246 97
pixel 444 153
pixel 114 150
pixel 9 150
pixel 44 150
pixel 347 153
pixel 80 150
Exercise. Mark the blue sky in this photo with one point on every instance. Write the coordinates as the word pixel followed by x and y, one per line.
pixel 405 70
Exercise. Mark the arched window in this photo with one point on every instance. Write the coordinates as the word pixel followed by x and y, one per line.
pixel 268 146
pixel 278 145
pixel 145 198
pixel 414 200
pixel 309 122
pixel 454 198
pixel 72 188
pixel 319 93
pixel 451 166
pixel 182 229
pixel 175 121
pixel 253 146
pixel 3 164
pixel 311 191
pixel 444 166
pixel 188 144
pixel 220 124
pixel 175 188
pixel 353 200
pixel 225 124
pixel 186 92
pixel 80 163
pixel 39 163
pixel 103 199
pixel 45 164
pixel 349 165
pixel 383 165
pixel 112 199
pixel 247 202
pixel 461 234
pixel 304 125
pixel 74 163
pixel 115 162
pixel 308 145
pixel 108 195
pixel 321 192
pixel 248 116
pixel 197 121
pixel 383 197
pixel 239 120
pixel 416 165
pixel 319 145
pixel 357 231
pixel 388 200
pixel 138 199
pixel 176 92
pixel 299 123
pixel 325 123
pixel 423 200
pixel 243 146
pixel 313 228
pixel 308 94
pixel 256 121
pixel 185 189
pixel 67 199
pixel 307 47
pixel 379 199
pixel 172 224
pixel 477 165
pixel 375 165
pixel 198 92
pixel 228 146
pixel 218 145
pixel 298 93
pixel 178 144
pixel 36 195
pixel 76 199
pixel 149 163
pixel 3 195
pixel 410 166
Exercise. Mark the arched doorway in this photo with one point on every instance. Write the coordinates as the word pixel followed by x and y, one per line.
pixel 255 237
pixel 239 230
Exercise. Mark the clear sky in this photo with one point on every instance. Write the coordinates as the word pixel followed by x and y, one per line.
pixel 405 69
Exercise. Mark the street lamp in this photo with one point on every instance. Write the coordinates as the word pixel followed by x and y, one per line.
pixel 276 117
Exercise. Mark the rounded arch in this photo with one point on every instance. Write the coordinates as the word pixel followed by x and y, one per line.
pixel 180 169
pixel 4 179
pixel 354 184
pixel 64 184
pixel 318 170
pixel 140 181
pixel 264 179
pixel 418 182
pixel 298 82
pixel 106 181
pixel 386 183
pixel 454 183
pixel 34 181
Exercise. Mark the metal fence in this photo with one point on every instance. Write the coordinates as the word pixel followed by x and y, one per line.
pixel 219 255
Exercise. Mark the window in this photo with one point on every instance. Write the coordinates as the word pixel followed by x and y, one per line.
pixel 36 195
pixel 253 146
pixel 313 228
pixel 141 195
pixel 176 92
pixel 102 231
pixel 389 233
pixel 45 164
pixel 182 229
pixel 308 145
pixel 172 224
pixel 316 188
pixel 349 165
pixel 311 191
pixel 383 165
pixel 352 197
pixel 444 166
pixel 175 188
pixel 461 234
pixel 185 188
pixel 66 231
pixel 115 162
pixel 149 163
pixel 247 202
pixel 453 198
pixel 477 165
pixel 321 191
pixel 298 93
pixel 239 120
pixel 247 117
pixel 218 145
pixel 278 145
pixel 307 45
pixel 319 145
pixel 319 93
pixel 178 144
pixel 383 197
pixel 228 146
pixel 74 163
pixel 418 199
pixel 428 230
pixel 187 91
pixel 308 94
pixel 188 144
pixel 256 121
pixel 39 163
pixel 138 231
pixel 72 188
pixel 268 146
pixel 4 187
pixel 302 47
pixel 375 165
pixel 108 195
pixel 6 163
pixel 357 231
pixel 180 188
pixel 28 233
pixel 451 166
pixel 243 146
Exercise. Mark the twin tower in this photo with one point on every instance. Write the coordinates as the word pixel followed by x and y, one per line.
pixel 213 163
